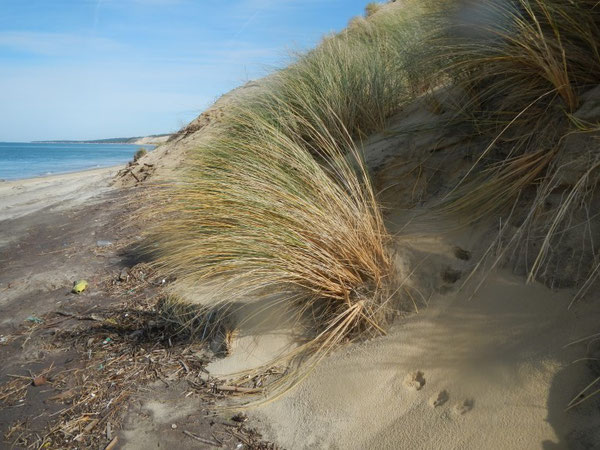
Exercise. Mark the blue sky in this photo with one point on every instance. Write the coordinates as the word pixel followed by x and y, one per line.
pixel 87 69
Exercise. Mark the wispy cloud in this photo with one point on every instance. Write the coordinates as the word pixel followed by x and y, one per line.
pixel 101 68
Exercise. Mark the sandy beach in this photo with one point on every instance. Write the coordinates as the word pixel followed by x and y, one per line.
pixel 23 197
pixel 45 222
pixel 459 374
pixel 56 230
pixel 380 246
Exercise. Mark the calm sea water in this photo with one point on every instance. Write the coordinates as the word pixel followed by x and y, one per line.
pixel 27 160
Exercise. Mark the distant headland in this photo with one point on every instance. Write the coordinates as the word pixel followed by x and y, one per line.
pixel 153 139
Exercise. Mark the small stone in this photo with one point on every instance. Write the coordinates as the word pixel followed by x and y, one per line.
pixel 174 426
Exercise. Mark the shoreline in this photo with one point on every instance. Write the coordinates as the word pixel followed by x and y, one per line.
pixel 23 197
pixel 55 176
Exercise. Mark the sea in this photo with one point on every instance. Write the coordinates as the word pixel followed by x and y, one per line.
pixel 28 160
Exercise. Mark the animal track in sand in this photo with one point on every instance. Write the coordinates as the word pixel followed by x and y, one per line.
pixel 439 399
pixel 451 276
pixel 414 380
pixel 464 407
pixel 459 253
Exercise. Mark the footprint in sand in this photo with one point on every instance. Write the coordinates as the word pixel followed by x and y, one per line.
pixel 451 276
pixel 414 380
pixel 459 253
pixel 464 407
pixel 439 399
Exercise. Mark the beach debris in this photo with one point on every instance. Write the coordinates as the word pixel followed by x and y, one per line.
pixel 201 439
pixel 439 399
pixel 79 286
pixel 103 243
pixel 414 380
pixel 464 407
pixel 40 380
pixel 124 275
pixel 240 417
pixel 112 443
pixel 34 319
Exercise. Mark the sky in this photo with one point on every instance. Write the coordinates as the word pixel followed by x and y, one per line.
pixel 92 69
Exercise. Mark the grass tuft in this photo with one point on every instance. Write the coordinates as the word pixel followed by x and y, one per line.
pixel 372 8
pixel 277 198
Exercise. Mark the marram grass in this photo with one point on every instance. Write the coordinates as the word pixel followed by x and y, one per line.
pixel 522 66
pixel 258 212
pixel 276 198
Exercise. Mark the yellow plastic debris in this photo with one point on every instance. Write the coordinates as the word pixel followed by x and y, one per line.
pixel 79 286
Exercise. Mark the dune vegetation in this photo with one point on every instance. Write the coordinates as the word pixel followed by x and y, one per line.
pixel 278 199
pixel 523 66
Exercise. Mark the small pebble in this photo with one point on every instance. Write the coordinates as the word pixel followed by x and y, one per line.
pixel 174 426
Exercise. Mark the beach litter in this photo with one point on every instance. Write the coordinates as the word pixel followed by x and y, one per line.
pixel 40 380
pixel 79 286
pixel 34 319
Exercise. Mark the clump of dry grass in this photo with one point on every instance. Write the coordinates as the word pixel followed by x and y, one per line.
pixel 264 209
pixel 139 154
pixel 520 57
pixel 277 198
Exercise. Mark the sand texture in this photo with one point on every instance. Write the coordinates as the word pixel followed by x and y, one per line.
pixel 487 371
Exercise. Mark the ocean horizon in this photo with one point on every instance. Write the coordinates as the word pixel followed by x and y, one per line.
pixel 19 160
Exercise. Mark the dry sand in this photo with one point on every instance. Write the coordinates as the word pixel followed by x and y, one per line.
pixel 22 197
pixel 481 372
pixel 49 229
pixel 472 370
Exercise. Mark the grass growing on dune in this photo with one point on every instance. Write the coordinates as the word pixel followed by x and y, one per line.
pixel 277 199
pixel 522 66
pixel 520 57
pixel 257 213
pixel 361 76
pixel 261 208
